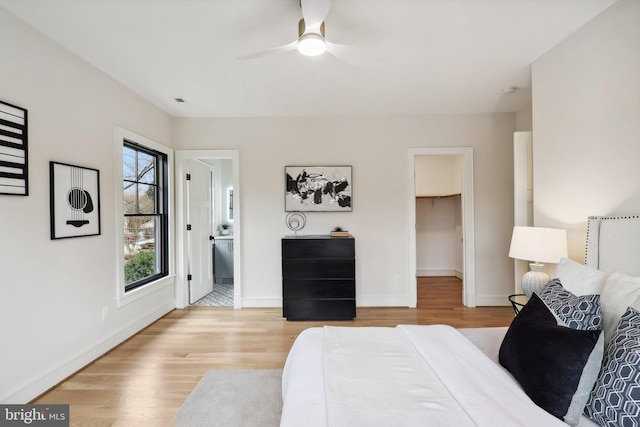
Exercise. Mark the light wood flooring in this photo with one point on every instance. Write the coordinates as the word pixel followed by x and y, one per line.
pixel 145 380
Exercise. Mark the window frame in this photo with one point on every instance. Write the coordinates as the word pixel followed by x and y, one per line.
pixel 160 182
pixel 126 294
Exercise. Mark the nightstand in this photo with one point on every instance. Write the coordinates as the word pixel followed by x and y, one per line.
pixel 517 302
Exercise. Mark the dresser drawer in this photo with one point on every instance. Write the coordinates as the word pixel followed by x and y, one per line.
pixel 319 309
pixel 326 268
pixel 318 248
pixel 320 288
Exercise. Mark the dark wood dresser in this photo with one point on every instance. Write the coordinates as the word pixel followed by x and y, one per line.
pixel 318 278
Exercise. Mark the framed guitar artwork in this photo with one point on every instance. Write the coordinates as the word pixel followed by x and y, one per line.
pixel 75 201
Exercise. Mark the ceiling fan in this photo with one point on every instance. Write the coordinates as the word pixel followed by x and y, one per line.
pixel 311 40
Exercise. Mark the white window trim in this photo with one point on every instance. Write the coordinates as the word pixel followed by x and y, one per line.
pixel 123 298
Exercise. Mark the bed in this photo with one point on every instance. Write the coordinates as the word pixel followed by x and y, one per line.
pixel 574 349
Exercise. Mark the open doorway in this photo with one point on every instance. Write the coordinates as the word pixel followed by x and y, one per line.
pixel 208 247
pixel 459 200
pixel 211 237
pixel 438 192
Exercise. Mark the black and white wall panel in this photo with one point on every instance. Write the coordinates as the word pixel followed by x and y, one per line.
pixel 14 178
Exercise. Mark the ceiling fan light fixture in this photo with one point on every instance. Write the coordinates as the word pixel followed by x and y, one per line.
pixel 311 44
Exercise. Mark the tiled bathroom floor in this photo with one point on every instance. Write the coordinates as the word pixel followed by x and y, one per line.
pixel 221 296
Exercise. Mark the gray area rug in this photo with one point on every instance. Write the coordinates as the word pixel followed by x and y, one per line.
pixel 234 398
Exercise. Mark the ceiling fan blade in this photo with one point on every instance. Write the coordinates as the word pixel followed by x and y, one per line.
pixel 268 52
pixel 354 55
pixel 314 12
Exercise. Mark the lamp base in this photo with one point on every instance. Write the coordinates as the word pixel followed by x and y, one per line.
pixel 535 279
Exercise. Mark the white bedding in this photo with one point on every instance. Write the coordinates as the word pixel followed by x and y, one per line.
pixel 442 377
pixel 377 377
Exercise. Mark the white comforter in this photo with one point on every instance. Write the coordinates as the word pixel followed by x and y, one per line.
pixel 404 376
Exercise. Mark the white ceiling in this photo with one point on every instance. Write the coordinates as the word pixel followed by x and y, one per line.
pixel 439 56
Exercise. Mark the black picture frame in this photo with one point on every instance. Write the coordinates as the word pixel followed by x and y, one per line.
pixel 318 188
pixel 14 159
pixel 74 200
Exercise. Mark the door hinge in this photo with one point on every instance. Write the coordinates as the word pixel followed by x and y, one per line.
pixel 189 277
pixel 188 177
pixel 188 227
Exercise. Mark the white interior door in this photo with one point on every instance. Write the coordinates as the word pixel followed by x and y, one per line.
pixel 199 217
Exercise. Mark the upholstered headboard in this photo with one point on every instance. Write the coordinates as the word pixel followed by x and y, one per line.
pixel 613 244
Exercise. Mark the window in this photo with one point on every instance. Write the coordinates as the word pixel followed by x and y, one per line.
pixel 145 202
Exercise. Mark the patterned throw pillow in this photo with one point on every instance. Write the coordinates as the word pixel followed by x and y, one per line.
pixel 575 312
pixel 615 399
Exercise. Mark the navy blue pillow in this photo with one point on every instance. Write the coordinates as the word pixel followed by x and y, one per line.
pixel 556 366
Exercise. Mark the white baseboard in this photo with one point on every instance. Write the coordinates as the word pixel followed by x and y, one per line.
pixel 492 301
pixel 264 302
pixel 369 301
pixel 36 386
pixel 376 301
pixel 383 301
pixel 430 272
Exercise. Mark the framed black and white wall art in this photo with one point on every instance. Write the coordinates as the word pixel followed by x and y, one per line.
pixel 318 188
pixel 75 201
pixel 14 177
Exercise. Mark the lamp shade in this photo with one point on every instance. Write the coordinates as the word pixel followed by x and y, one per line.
pixel 538 244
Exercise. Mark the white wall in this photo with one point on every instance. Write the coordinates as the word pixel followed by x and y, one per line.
pixel 439 236
pixel 438 175
pixel 524 120
pixel 586 124
pixel 53 292
pixel 377 149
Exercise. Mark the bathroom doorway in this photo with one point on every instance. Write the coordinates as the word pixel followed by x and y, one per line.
pixel 223 226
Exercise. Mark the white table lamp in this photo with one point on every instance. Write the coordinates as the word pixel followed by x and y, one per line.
pixel 539 245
